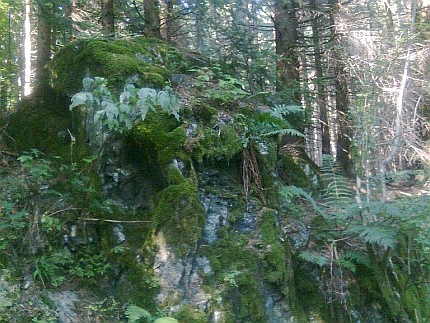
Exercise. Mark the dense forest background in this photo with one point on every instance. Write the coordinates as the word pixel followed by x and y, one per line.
pixel 339 89
pixel 357 68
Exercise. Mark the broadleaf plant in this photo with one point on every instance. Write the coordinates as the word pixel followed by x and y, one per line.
pixel 133 104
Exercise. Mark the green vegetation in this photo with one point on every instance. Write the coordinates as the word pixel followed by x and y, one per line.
pixel 180 215
pixel 147 62
pixel 322 254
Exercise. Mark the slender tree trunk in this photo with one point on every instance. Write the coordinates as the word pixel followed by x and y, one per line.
pixel 108 20
pixel 44 41
pixel 397 139
pixel 170 21
pixel 321 98
pixel 199 25
pixel 26 72
pixel 286 35
pixel 344 133
pixel 152 19
pixel 70 16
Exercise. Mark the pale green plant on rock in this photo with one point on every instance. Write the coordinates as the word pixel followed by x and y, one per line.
pixel 133 104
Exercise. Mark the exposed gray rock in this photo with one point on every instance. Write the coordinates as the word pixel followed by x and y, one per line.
pixel 178 278
pixel 64 303
pixel 6 291
pixel 216 215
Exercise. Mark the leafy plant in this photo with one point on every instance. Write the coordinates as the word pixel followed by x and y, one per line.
pixel 314 258
pixel 292 191
pixel 90 266
pixel 50 268
pixel 137 314
pixel 133 104
pixel 39 168
pixel 217 85
pixel 337 188
pixel 269 123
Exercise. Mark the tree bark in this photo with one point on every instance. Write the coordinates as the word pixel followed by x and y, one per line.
pixel 321 95
pixel 43 44
pixel 344 133
pixel 26 72
pixel 108 20
pixel 286 35
pixel 170 22
pixel 152 19
pixel 397 139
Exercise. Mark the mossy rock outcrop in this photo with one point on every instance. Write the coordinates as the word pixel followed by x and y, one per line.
pixel 43 120
pixel 142 61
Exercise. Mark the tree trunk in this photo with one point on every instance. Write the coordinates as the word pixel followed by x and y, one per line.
pixel 152 19
pixel 344 133
pixel 108 22
pixel 321 98
pixel 44 40
pixel 199 26
pixel 26 72
pixel 170 22
pixel 286 35
pixel 398 132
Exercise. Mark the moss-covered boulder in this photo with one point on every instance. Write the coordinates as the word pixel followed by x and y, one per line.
pixel 43 121
pixel 142 61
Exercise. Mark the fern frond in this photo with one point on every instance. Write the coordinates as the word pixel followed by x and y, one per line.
pixel 135 313
pixel 377 234
pixel 337 186
pixel 281 110
pixel 351 258
pixel 316 259
pixel 291 132
pixel 292 191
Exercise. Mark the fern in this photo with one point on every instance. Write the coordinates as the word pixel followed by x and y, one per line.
pixel 351 258
pixel 375 233
pixel 313 258
pixel 282 110
pixel 292 191
pixel 270 123
pixel 135 313
pixel 337 186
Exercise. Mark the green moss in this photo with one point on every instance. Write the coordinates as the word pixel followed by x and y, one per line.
pixel 237 277
pixel 164 133
pixel 43 121
pixel 188 314
pixel 204 113
pixel 180 215
pixel 245 299
pixel 136 283
pixel 116 61
pixel 274 252
pixel 221 144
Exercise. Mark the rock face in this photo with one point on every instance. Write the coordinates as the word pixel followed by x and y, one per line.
pixel 197 226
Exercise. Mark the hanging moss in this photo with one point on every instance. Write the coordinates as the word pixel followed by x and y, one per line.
pixel 136 283
pixel 188 314
pixel 221 144
pixel 180 215
pixel 164 133
pixel 274 262
pixel 236 269
pixel 43 121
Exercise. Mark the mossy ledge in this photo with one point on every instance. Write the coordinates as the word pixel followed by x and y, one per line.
pixel 143 61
